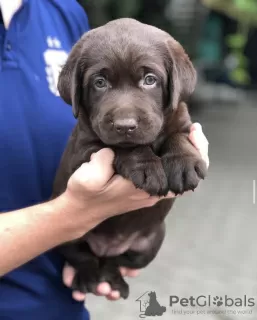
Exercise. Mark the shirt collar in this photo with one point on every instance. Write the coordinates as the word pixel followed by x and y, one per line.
pixel 9 8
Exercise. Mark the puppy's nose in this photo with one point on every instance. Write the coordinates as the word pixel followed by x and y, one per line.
pixel 124 126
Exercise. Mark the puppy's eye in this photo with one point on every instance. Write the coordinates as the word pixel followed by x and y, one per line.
pixel 150 80
pixel 100 83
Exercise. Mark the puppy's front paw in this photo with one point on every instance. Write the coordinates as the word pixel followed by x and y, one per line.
pixel 184 172
pixel 146 174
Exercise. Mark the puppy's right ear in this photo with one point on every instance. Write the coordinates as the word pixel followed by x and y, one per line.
pixel 181 71
pixel 70 79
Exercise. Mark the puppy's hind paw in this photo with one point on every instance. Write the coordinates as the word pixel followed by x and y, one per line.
pixel 85 284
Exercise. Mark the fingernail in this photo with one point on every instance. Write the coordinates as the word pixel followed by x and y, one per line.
pixel 198 126
pixel 92 156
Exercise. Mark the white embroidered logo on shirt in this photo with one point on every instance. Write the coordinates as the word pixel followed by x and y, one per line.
pixel 54 58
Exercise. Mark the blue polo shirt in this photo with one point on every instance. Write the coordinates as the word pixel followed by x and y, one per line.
pixel 34 127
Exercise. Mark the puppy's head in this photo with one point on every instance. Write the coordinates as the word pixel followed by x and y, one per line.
pixel 125 77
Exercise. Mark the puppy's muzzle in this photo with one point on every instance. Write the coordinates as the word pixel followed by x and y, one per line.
pixel 123 123
pixel 125 126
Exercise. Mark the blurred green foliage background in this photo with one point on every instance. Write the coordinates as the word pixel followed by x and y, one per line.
pixel 220 38
pixel 147 11
pixel 244 11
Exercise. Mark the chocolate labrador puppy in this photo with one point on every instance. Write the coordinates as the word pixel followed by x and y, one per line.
pixel 127 83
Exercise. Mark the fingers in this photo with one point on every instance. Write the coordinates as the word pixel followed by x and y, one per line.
pixel 196 126
pixel 103 157
pixel 169 196
pixel 125 187
pixel 68 275
pixel 78 296
pixel 104 289
pixel 125 272
pixel 96 173
pixel 114 295
pixel 199 140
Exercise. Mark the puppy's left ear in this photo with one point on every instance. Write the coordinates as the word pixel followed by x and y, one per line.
pixel 182 74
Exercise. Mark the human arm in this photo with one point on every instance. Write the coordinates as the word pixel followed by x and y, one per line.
pixel 93 194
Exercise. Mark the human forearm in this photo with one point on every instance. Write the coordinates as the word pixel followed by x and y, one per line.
pixel 26 233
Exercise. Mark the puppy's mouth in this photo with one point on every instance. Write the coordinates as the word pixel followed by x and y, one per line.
pixel 127 144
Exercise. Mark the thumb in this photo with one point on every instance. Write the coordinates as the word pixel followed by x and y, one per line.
pixel 102 157
pixel 96 173
pixel 196 127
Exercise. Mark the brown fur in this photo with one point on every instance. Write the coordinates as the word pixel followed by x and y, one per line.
pixel 146 125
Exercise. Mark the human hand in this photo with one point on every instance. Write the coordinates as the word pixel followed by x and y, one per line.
pixel 94 194
pixel 199 140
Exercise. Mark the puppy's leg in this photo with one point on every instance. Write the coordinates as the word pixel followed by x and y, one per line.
pixel 83 155
pixel 87 279
pixel 109 272
pixel 182 163
pixel 141 166
pixel 144 250
pixel 85 263
pixel 73 157
pixel 91 270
